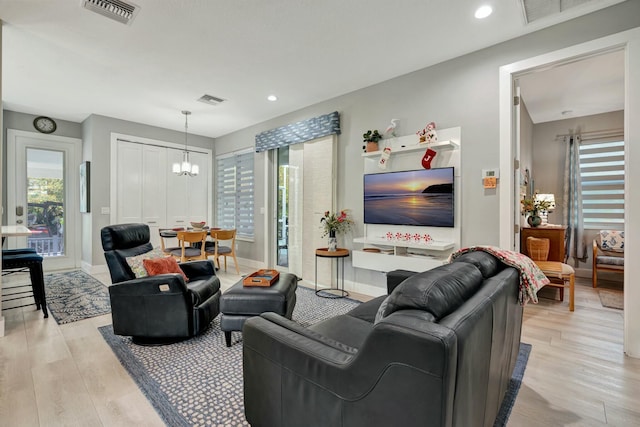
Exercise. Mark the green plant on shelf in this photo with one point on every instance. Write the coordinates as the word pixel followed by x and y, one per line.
pixel 372 136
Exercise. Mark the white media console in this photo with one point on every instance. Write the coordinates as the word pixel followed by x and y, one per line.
pixel 399 246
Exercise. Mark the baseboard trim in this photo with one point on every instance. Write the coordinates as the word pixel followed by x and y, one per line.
pixel 94 269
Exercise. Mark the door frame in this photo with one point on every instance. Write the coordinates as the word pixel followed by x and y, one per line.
pixel 72 191
pixel 629 41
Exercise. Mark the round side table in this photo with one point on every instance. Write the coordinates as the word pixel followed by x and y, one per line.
pixel 338 254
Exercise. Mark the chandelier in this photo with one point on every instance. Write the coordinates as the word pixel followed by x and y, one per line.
pixel 185 167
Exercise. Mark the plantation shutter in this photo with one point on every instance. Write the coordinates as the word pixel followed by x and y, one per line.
pixel 235 184
pixel 602 175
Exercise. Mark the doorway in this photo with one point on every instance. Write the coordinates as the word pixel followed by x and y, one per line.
pixel 42 194
pixel 629 41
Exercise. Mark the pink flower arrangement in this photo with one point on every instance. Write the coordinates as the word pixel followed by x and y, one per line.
pixel 334 223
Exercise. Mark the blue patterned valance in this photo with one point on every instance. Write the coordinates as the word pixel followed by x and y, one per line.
pixel 295 133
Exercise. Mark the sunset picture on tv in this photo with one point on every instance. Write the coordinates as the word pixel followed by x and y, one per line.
pixel 420 197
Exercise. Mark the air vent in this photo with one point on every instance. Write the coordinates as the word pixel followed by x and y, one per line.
pixel 537 9
pixel 113 9
pixel 210 99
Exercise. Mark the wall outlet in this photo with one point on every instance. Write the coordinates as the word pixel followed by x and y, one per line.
pixel 105 210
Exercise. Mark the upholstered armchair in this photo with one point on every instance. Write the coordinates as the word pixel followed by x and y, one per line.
pixel 162 308
pixel 608 253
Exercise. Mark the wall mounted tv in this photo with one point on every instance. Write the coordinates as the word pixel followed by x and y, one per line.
pixel 420 197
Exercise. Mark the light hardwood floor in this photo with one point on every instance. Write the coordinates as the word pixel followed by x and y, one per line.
pixel 577 374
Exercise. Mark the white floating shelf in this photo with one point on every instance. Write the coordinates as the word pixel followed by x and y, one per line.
pixel 448 144
pixel 434 245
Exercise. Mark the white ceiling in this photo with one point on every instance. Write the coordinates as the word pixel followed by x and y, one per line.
pixel 63 61
pixel 581 88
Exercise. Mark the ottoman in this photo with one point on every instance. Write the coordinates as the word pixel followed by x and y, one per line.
pixel 240 302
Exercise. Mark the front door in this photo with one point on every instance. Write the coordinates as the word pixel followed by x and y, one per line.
pixel 42 194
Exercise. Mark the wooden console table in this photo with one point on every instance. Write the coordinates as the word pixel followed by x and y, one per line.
pixel 556 235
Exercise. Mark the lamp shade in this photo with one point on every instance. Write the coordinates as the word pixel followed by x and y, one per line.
pixel 549 198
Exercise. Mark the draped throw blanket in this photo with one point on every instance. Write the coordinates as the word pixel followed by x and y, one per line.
pixel 575 245
pixel 532 279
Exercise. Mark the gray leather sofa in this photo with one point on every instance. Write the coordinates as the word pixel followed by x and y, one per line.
pixel 439 351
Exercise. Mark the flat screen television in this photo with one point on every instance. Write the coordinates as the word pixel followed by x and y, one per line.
pixel 419 197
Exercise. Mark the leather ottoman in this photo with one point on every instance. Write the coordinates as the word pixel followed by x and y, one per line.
pixel 240 303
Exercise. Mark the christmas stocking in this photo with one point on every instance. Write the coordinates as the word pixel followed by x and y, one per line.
pixel 428 156
pixel 384 158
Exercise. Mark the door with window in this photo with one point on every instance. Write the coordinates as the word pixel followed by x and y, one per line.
pixel 305 183
pixel 42 194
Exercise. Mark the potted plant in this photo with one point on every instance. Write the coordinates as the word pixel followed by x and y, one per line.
pixel 532 207
pixel 334 223
pixel 371 139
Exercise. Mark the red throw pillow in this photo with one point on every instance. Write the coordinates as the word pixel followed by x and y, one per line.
pixel 163 266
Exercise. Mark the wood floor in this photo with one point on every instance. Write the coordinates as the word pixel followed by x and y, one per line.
pixel 577 374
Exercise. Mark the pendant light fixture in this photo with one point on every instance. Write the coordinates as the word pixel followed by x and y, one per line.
pixel 185 168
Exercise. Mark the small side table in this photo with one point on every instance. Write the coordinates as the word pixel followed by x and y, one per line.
pixel 338 254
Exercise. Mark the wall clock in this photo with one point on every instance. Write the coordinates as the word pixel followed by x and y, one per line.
pixel 44 124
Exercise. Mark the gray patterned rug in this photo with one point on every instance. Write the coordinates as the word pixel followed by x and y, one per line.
pixel 74 295
pixel 198 382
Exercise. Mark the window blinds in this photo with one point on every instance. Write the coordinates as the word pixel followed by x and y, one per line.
pixel 235 186
pixel 602 175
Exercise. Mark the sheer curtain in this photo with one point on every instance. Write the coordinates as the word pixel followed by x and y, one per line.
pixel 575 246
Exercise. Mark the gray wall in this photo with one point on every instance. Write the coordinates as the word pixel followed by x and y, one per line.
pixel 95 133
pixel 460 92
pixel 549 156
pixel 97 148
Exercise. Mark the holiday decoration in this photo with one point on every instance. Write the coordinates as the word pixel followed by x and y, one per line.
pixel 427 158
pixel 384 157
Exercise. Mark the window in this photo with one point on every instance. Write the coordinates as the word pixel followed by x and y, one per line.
pixel 234 185
pixel 602 175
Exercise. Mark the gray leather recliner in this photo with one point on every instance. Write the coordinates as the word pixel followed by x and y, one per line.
pixel 157 309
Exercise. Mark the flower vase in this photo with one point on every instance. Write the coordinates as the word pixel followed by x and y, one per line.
pixel 332 244
pixel 534 220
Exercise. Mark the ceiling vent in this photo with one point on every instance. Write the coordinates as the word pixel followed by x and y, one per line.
pixel 210 99
pixel 113 9
pixel 537 9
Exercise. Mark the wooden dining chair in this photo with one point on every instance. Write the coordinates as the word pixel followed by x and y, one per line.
pixel 187 250
pixel 167 233
pixel 221 239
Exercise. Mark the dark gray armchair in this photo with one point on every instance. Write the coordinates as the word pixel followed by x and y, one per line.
pixel 158 309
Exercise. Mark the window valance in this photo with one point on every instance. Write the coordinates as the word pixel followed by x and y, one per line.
pixel 295 133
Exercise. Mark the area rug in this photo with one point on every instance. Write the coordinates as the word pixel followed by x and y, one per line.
pixel 198 382
pixel 514 386
pixel 612 299
pixel 75 295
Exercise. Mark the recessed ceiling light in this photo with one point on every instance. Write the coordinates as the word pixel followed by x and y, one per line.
pixel 567 112
pixel 272 98
pixel 483 11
